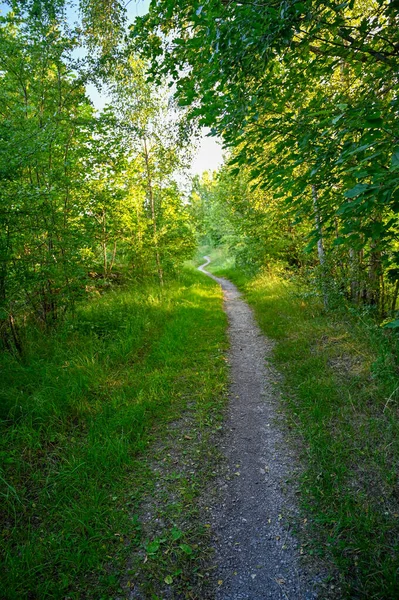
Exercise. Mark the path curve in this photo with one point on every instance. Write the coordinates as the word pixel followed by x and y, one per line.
pixel 256 555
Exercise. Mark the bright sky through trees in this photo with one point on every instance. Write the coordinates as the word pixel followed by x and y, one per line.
pixel 209 156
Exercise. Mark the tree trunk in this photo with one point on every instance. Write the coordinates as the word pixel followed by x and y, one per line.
pixel 320 245
pixel 354 275
pixel 113 257
pixel 395 296
pixel 373 288
pixel 104 245
pixel 153 215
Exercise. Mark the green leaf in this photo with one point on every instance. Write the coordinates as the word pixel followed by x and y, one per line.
pixel 392 325
pixel 375 121
pixel 361 148
pixel 186 548
pixel 347 207
pixel 339 241
pixel 168 579
pixel 176 534
pixel 359 188
pixel 152 547
pixel 395 160
pixel 336 119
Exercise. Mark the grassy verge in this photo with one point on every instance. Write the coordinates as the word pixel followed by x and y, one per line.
pixel 341 393
pixel 80 417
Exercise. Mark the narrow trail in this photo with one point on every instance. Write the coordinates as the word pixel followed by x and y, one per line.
pixel 256 555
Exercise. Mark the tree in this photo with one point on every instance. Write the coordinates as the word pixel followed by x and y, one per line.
pixel 306 94
pixel 79 189
pixel 155 139
pixel 45 121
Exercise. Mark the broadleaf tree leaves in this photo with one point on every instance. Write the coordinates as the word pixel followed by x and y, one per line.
pixel 395 160
pixel 357 190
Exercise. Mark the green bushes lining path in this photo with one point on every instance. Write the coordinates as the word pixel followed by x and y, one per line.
pixel 341 399
pixel 78 416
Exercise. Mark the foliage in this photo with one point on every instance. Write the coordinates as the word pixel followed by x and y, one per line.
pixel 84 195
pixel 231 211
pixel 306 95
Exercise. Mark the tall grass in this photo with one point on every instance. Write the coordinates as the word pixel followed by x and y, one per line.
pixel 341 396
pixel 77 414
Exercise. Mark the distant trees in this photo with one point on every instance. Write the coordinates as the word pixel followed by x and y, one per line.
pixel 306 95
pixel 80 192
pixel 256 228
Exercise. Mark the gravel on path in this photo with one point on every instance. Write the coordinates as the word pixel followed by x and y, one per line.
pixel 256 555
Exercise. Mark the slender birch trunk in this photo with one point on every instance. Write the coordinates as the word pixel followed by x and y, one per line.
pixel 320 245
pixel 113 257
pixel 104 243
pixel 395 296
pixel 153 215
pixel 354 275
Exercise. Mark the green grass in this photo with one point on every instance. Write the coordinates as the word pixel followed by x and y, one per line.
pixel 341 397
pixel 221 260
pixel 79 418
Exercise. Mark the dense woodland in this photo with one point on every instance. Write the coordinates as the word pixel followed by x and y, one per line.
pixel 107 334
pixel 305 96
pixel 84 193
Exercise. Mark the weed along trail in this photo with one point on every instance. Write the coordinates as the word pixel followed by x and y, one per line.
pixel 256 555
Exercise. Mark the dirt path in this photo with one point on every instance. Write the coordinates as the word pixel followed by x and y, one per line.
pixel 257 556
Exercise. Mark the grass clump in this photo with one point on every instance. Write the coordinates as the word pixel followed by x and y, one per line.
pixel 341 395
pixel 79 416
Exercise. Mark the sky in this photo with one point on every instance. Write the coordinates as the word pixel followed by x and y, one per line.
pixel 209 155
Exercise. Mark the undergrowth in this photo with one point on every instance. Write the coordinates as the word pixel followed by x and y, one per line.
pixel 79 415
pixel 341 396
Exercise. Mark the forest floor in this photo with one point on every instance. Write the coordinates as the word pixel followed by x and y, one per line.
pixel 130 470
pixel 113 407
pixel 253 501
pixel 339 400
